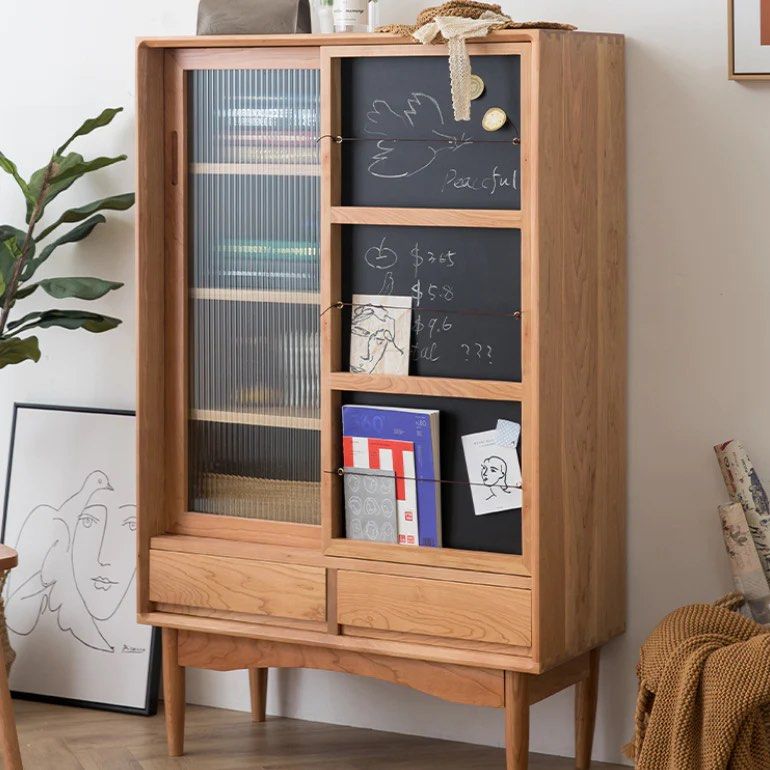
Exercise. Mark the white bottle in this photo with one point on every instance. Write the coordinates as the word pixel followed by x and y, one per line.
pixel 351 16
pixel 325 14
pixel 374 15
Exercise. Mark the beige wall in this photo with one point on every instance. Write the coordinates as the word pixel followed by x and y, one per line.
pixel 699 204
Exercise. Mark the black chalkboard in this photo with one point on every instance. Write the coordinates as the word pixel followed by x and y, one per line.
pixel 403 147
pixel 494 532
pixel 455 275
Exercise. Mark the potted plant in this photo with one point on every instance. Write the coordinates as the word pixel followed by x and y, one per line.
pixel 23 250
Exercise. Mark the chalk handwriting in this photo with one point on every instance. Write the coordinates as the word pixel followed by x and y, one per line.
pixel 477 351
pixel 491 183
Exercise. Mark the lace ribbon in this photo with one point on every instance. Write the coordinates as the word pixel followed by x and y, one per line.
pixel 456 30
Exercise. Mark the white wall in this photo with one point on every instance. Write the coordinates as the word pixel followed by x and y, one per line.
pixel 699 285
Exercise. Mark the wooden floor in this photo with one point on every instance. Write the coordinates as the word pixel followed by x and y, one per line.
pixel 60 738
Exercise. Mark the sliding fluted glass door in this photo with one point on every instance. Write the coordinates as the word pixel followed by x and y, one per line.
pixel 253 305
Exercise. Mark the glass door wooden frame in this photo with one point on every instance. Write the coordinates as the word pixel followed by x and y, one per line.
pixel 334 382
pixel 177 64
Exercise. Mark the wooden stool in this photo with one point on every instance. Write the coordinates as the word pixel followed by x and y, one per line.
pixel 10 740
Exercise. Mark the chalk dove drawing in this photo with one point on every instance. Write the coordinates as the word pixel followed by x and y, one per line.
pixel 418 120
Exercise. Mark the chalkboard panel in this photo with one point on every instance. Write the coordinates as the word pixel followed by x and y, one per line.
pixel 406 149
pixel 454 275
pixel 494 532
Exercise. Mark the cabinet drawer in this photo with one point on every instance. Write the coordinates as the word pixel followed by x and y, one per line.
pixel 238 585
pixel 435 608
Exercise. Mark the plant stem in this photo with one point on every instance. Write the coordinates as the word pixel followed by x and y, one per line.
pixel 22 260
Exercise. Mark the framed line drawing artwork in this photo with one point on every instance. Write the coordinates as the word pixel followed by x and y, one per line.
pixel 70 512
pixel 749 39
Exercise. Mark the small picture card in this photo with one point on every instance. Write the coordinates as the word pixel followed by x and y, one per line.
pixel 494 473
pixel 379 334
pixel 370 505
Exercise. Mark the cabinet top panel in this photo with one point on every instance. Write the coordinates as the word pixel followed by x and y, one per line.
pixel 370 38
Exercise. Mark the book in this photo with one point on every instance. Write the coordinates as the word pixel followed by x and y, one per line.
pixel 370 505
pixel 748 575
pixel 270 249
pixel 280 156
pixel 421 427
pixel 493 471
pixel 379 334
pixel 365 453
pixel 745 487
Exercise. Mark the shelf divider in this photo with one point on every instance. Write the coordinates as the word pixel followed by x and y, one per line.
pixel 490 390
pixel 277 418
pixel 257 169
pixel 257 295
pixel 374 215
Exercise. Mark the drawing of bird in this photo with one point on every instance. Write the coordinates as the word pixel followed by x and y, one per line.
pixel 94 482
pixel 423 120
pixel 34 589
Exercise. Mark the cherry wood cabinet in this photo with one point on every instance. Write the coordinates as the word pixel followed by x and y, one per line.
pixel 249 192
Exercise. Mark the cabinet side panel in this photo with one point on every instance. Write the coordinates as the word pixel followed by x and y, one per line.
pixel 610 540
pixel 548 597
pixel 149 290
pixel 580 583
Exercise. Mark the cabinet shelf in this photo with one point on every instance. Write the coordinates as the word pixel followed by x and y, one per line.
pixel 409 385
pixel 257 169
pixel 272 418
pixel 257 295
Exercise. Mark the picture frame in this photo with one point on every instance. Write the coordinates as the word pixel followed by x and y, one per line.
pixel 748 46
pixel 70 604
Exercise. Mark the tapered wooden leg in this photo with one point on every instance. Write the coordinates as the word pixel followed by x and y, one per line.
pixel 173 693
pixel 258 689
pixel 11 753
pixel 586 693
pixel 516 721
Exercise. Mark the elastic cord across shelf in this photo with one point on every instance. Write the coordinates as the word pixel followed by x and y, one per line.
pixel 433 140
pixel 343 472
pixel 516 314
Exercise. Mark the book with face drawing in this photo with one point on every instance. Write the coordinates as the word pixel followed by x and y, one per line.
pixel 379 334
pixel 494 473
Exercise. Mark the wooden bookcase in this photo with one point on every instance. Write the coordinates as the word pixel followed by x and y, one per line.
pixel 246 572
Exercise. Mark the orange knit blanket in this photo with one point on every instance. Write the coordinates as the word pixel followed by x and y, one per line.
pixel 704 693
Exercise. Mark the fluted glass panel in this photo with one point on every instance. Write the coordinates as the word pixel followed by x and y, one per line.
pixel 254 447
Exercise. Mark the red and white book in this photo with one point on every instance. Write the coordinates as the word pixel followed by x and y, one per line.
pixel 389 455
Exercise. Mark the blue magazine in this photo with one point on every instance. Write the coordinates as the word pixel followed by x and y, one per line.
pixel 420 426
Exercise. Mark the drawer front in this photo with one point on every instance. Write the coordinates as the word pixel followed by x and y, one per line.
pixel 238 585
pixel 439 608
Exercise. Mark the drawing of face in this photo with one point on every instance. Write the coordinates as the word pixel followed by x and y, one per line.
pixel 104 535
pixel 378 328
pixel 493 471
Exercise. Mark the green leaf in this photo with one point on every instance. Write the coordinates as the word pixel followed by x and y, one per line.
pixel 7 165
pixel 113 203
pixel 14 351
pixel 75 288
pixel 66 319
pixel 11 243
pixel 78 233
pixel 66 171
pixel 76 170
pixel 25 291
pixel 91 125
pixel 37 180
